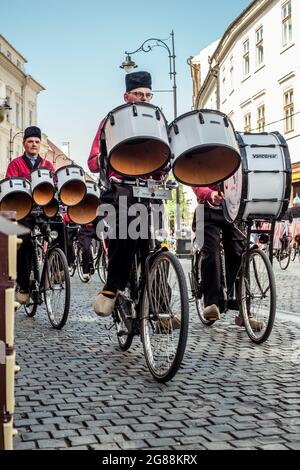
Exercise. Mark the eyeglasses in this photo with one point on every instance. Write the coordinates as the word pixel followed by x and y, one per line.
pixel 140 94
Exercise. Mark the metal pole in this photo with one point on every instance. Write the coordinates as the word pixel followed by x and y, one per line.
pixel 10 144
pixel 178 215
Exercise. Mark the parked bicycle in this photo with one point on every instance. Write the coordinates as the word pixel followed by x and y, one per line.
pixel 155 305
pixel 49 278
pixel 253 289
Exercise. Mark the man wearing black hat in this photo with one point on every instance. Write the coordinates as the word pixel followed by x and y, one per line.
pixel 120 252
pixel 22 167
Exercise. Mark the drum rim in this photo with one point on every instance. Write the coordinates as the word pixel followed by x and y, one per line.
pixel 42 168
pixel 206 184
pixel 244 193
pixel 137 103
pixel 30 198
pixel 15 178
pixel 70 181
pixel 142 174
pixel 198 111
pixel 37 186
pixel 72 207
pixel 69 166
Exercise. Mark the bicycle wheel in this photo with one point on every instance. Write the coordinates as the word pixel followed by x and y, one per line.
pixel 57 288
pixel 32 305
pixel 165 317
pixel 197 288
pixel 257 295
pixel 293 253
pixel 102 265
pixel 284 259
pixel 79 267
pixel 123 323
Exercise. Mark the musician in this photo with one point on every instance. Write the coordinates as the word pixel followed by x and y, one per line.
pixel 214 222
pixel 120 252
pixel 22 167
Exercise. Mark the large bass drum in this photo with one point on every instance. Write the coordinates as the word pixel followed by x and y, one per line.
pixel 15 195
pixel 137 139
pixel 261 188
pixel 204 148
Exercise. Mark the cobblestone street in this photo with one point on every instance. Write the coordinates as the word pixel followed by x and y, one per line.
pixel 77 390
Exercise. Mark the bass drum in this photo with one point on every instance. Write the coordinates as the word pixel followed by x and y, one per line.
pixel 15 195
pixel 137 139
pixel 86 211
pixel 204 148
pixel 261 188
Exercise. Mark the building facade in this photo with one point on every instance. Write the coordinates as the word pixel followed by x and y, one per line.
pixel 19 92
pixel 254 72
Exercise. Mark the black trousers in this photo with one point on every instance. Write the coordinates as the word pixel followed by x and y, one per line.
pixel 121 251
pixel 233 242
pixel 85 238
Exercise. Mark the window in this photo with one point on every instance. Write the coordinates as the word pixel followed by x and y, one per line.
pixel 288 99
pixel 8 101
pixel 18 115
pixel 246 58
pixel 231 69
pixel 287 27
pixel 259 47
pixel 247 122
pixel 224 81
pixel 8 55
pixel 261 118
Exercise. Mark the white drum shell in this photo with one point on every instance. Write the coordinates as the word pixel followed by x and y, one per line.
pixel 266 179
pixel 191 134
pixel 145 124
pixel 42 176
pixel 133 123
pixel 71 174
pixel 20 190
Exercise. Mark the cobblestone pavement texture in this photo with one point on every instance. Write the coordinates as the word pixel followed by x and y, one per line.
pixel 77 390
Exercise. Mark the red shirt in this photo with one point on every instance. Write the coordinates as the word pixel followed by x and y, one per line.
pixel 18 167
pixel 203 193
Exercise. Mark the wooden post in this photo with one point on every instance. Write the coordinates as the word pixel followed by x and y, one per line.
pixel 8 258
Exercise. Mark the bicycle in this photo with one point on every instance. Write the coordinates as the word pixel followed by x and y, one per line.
pixel 283 254
pixel 49 277
pixel 100 257
pixel 253 288
pixel 296 249
pixel 154 305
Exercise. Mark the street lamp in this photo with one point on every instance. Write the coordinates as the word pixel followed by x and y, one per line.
pixel 11 141
pixel 4 107
pixel 128 65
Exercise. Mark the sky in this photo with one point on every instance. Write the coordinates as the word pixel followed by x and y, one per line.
pixel 74 49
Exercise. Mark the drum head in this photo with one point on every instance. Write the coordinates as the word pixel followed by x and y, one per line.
pixel 43 194
pixel 139 157
pixel 72 192
pixel 84 212
pixel 19 202
pixel 206 165
pixel 51 209
pixel 232 189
